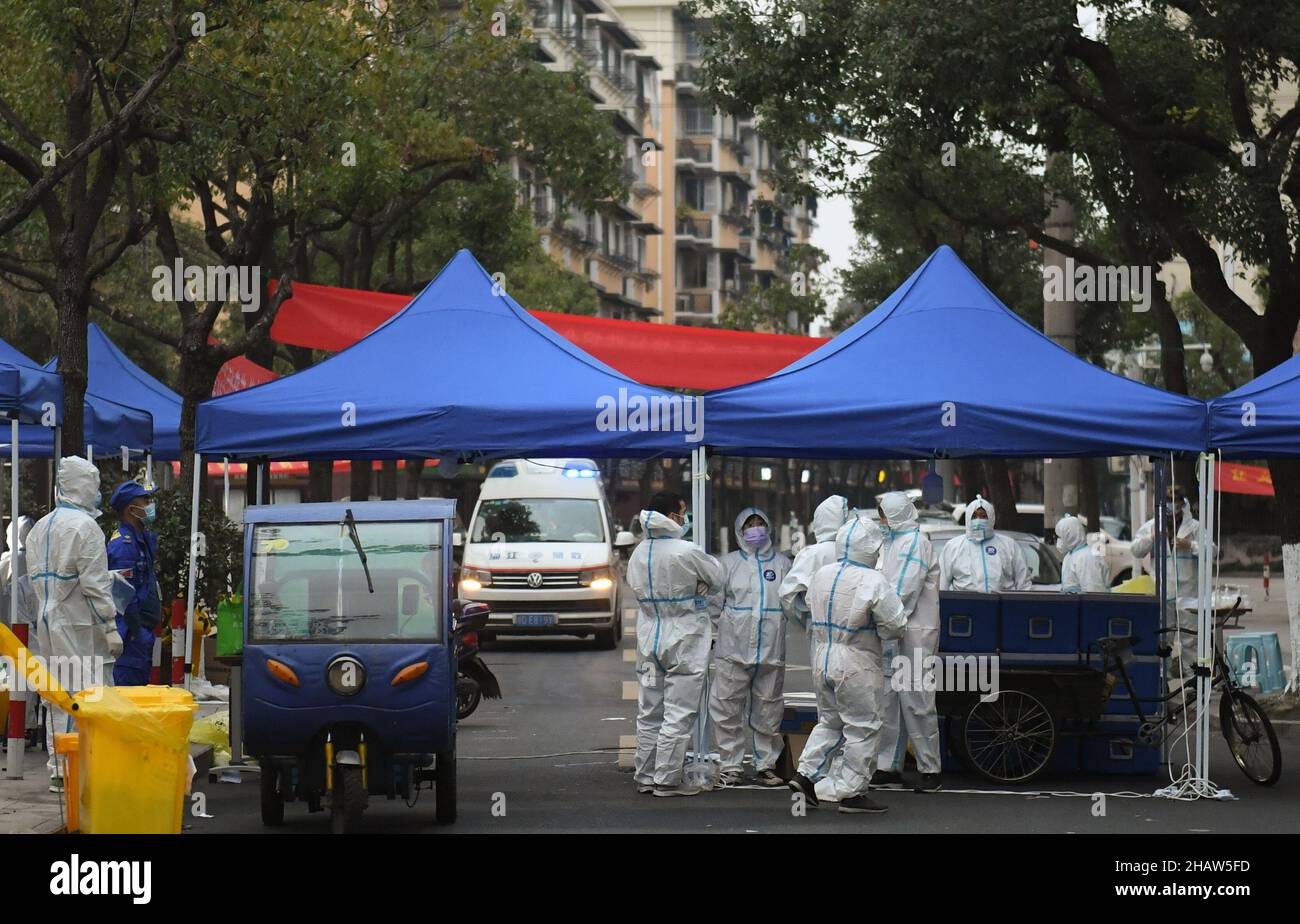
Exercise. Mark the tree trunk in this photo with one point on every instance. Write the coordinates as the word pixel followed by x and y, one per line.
pixel 362 479
pixel 388 480
pixel 73 313
pixel 414 469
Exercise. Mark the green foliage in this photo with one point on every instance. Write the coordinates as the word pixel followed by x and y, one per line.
pixel 789 305
pixel 222 564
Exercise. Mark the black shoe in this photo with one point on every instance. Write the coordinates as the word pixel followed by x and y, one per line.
pixel 929 782
pixel 883 778
pixel 801 783
pixel 861 804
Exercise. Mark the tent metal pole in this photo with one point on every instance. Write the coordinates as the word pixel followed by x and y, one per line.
pixel 1205 619
pixel 90 453
pixel 16 742
pixel 195 546
pixel 258 463
pixel 225 486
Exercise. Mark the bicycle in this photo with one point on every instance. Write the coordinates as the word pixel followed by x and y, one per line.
pixel 1246 729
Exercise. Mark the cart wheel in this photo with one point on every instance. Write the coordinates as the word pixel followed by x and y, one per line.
pixel 1250 737
pixel 1011 739
pixel 272 801
pixel 444 787
pixel 348 800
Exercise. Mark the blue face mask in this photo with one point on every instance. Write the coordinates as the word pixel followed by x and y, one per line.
pixel 979 528
pixel 150 513
pixel 755 535
pixel 99 498
pixel 686 523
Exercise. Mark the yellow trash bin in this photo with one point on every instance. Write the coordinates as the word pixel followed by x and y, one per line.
pixel 134 758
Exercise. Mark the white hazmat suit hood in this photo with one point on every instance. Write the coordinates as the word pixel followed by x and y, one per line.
pixel 1081 570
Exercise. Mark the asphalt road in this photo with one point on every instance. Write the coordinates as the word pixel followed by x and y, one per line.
pixel 546 759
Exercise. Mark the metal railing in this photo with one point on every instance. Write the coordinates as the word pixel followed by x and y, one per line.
pixel 699 151
pixel 695 226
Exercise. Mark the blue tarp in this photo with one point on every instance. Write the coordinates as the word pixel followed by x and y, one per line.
pixel 462 368
pixel 1261 419
pixel 943 368
pixel 107 424
pixel 26 388
pixel 112 375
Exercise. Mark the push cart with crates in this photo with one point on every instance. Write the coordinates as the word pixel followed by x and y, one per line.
pixel 1082 686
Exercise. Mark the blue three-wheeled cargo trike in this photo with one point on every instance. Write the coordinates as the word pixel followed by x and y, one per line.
pixel 349 679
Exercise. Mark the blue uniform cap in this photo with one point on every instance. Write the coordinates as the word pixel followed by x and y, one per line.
pixel 126 492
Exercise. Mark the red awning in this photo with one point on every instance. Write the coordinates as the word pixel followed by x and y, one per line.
pixel 238 374
pixel 667 355
pixel 1244 479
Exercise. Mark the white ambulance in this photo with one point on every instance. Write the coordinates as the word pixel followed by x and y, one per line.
pixel 542 552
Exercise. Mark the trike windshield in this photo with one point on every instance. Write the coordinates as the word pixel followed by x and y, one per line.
pixel 309 585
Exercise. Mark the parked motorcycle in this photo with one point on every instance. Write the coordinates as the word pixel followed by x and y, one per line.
pixel 473 678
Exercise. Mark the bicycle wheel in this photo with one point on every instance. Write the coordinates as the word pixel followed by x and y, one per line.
pixel 1250 737
pixel 1011 739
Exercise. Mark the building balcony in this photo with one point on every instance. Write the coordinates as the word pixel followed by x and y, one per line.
pixel 695 151
pixel 699 227
pixel 689 75
pixel 695 302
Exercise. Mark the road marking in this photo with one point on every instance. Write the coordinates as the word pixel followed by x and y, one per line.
pixel 626 750
pixel 629 654
pixel 630 689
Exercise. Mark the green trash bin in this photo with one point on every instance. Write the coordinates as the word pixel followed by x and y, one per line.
pixel 230 626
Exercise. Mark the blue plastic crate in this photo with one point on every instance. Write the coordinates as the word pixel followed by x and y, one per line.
pixel 1102 615
pixel 968 622
pixel 1040 623
pixel 1116 752
pixel 1067 756
pixel 1145 675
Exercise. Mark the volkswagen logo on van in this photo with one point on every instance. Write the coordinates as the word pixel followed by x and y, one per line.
pixel 535 579
pixel 345 676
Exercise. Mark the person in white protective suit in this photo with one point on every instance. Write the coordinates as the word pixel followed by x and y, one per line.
pixel 1082 572
pixel 1182 570
pixel 68 565
pixel 982 561
pixel 745 699
pixel 673 581
pixel 829 516
pixel 13 567
pixel 910 564
pixel 853 609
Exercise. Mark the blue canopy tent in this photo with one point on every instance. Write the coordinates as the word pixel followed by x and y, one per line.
pixel 461 368
pixel 943 368
pixel 108 425
pixel 1261 419
pixel 114 376
pixel 28 392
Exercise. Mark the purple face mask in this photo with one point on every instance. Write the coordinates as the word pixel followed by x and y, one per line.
pixel 755 535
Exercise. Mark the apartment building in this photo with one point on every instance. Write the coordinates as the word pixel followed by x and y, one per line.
pixel 702 223
pixel 612 246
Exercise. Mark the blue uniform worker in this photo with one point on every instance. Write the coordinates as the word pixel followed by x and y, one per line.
pixel 133 550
